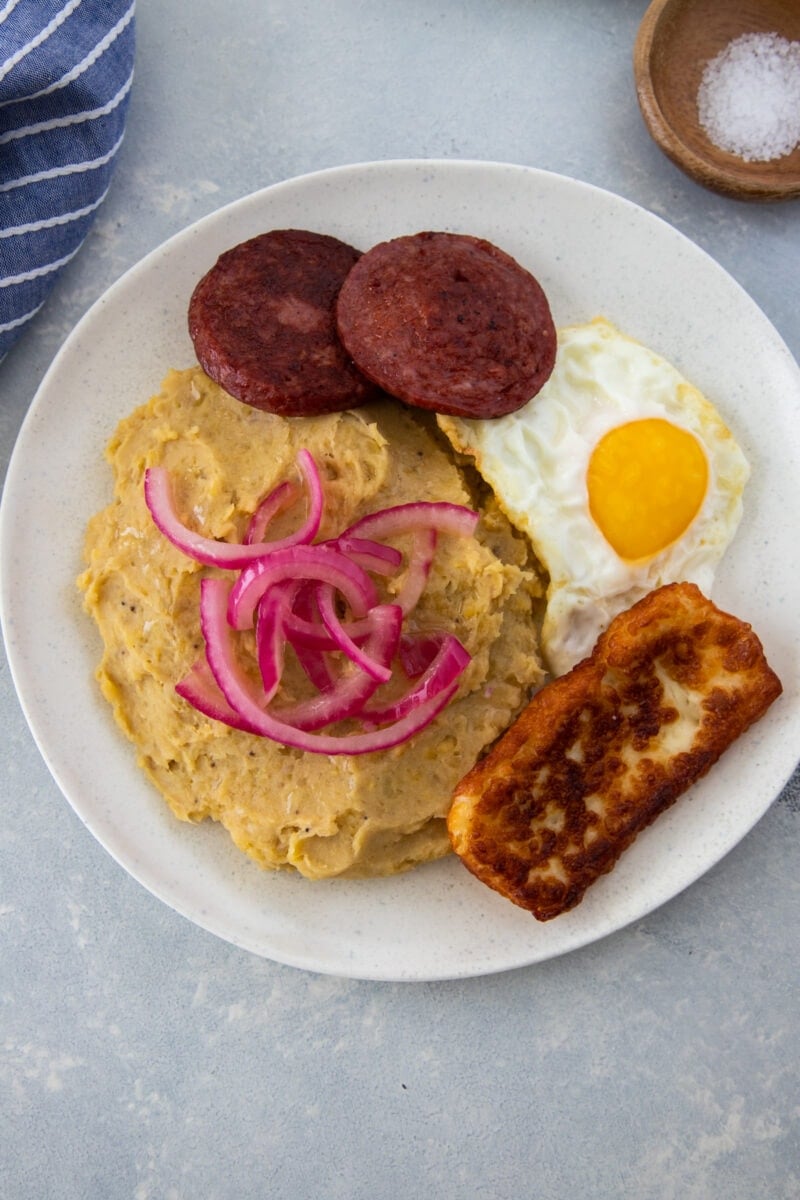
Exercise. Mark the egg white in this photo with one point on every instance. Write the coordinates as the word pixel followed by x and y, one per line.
pixel 536 462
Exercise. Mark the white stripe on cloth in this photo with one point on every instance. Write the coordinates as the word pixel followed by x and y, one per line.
pixel 42 36
pixel 8 9
pixel 75 119
pixel 15 324
pixel 68 169
pixel 38 272
pixel 51 222
pixel 89 61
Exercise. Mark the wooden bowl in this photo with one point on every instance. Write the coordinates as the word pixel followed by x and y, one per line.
pixel 676 40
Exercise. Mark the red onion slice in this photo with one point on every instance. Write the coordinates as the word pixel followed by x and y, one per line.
pixel 223 660
pixel 419 565
pixel 405 518
pixel 308 632
pixel 379 671
pixel 316 502
pixel 442 673
pixel 369 554
pixel 316 665
pixel 322 562
pixel 271 614
pixel 424 519
pixel 201 690
pixel 417 652
pixel 159 499
pixel 279 499
pixel 291 590
pixel 238 691
pixel 354 687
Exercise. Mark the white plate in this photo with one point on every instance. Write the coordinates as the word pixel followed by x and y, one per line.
pixel 594 254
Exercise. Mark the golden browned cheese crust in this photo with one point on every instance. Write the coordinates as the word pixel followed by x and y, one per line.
pixel 599 753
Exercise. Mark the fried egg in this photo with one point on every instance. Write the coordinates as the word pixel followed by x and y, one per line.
pixel 622 475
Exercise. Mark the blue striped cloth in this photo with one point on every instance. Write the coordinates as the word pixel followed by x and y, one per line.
pixel 66 68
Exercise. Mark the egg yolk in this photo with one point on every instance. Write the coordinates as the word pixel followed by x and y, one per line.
pixel 646 482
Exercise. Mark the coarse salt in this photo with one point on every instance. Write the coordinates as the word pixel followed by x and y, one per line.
pixel 749 97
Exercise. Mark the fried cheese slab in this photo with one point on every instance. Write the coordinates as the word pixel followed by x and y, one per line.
pixel 600 752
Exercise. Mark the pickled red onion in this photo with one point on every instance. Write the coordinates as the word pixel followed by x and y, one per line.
pixel 279 499
pixel 159 500
pixel 238 691
pixel 201 690
pixel 322 562
pixel 440 515
pixel 417 652
pixel 320 600
pixel 442 671
pixel 379 671
pixel 371 555
pixel 423 548
pixel 273 610
pixel 354 687
pixel 304 640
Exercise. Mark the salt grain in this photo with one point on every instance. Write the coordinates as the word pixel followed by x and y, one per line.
pixel 749 97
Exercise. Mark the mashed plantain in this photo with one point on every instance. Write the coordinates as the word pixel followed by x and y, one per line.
pixel 368 815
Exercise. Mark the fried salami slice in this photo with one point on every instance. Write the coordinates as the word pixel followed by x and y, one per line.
pixel 448 322
pixel 262 324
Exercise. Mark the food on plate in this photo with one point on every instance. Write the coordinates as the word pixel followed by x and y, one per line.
pixel 621 473
pixel 448 322
pixel 317 617
pixel 600 752
pixel 262 324
pixel 324 815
